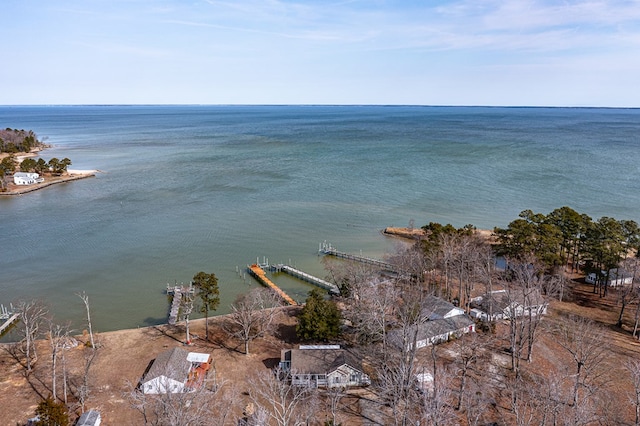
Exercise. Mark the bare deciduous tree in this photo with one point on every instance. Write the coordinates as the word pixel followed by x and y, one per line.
pixel 204 406
pixel 397 368
pixel 469 349
pixel 633 368
pixel 370 307
pixel 273 392
pixel 333 396
pixel 32 313
pixel 58 338
pixel 186 308
pixel 346 275
pixel 436 408
pixel 584 342
pixel 252 315
pixel 85 300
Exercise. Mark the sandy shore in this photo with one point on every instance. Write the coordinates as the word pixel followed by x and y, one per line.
pixel 418 233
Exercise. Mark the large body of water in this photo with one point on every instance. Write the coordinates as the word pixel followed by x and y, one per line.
pixel 191 188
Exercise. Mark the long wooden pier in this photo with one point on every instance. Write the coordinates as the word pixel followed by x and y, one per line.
pixel 177 291
pixel 260 275
pixel 331 288
pixel 328 249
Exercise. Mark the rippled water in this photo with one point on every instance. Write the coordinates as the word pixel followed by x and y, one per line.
pixel 190 188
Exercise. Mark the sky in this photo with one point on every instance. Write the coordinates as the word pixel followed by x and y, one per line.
pixel 406 52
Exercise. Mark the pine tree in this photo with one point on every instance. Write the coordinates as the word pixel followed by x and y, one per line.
pixel 209 294
pixel 319 319
pixel 52 413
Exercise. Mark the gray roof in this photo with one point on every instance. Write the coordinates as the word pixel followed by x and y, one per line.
pixel 433 328
pixel 172 364
pixel 499 301
pixel 319 361
pixel 438 327
pixel 435 307
pixel 89 418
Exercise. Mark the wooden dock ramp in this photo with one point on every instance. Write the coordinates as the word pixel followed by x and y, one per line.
pixel 177 291
pixel 259 274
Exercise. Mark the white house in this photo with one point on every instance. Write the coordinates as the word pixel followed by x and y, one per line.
pixel 323 366
pixel 615 278
pixel 503 304
pixel 175 371
pixel 442 321
pixel 22 178
pixel 432 332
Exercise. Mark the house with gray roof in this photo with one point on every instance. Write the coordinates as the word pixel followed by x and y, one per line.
pixel 176 370
pixel 441 321
pixel 437 308
pixel 503 304
pixel 323 366
pixel 431 332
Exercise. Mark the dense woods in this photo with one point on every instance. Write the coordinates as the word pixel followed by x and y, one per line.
pixel 565 239
pixel 14 141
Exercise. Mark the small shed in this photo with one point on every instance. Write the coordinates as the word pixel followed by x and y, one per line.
pixel 176 370
pixel 89 418
pixel 168 373
pixel 424 383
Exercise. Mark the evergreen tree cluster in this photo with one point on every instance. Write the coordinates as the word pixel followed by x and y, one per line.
pixel 565 236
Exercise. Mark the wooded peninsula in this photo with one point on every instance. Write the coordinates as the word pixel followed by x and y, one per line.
pixel 20 169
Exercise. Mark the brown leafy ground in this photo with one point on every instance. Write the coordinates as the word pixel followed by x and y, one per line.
pixel 122 358
pixel 124 355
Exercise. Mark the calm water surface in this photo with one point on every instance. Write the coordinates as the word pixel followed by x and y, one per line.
pixel 191 188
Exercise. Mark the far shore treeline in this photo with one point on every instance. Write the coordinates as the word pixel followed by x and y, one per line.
pixel 563 237
pixel 13 142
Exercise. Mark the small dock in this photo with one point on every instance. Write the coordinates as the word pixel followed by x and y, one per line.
pixel 331 288
pixel 258 273
pixel 8 317
pixel 177 291
pixel 328 249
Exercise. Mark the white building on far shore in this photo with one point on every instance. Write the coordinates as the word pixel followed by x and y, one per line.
pixel 22 178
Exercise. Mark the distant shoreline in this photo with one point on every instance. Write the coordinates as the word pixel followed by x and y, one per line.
pixel 70 175
pixel 53 180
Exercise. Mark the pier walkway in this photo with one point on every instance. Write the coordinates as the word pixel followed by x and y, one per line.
pixel 177 291
pixel 328 249
pixel 259 274
pixel 8 322
pixel 331 288
pixel 8 316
